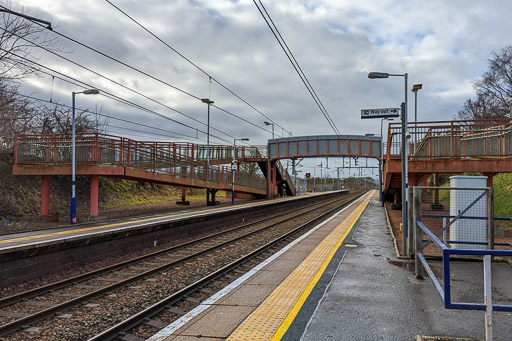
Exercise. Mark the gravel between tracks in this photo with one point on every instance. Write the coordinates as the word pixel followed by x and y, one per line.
pixel 83 322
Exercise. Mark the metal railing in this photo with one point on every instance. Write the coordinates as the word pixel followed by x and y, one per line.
pixel 225 153
pixel 170 158
pixel 57 149
pixel 286 176
pixel 424 236
pixel 453 139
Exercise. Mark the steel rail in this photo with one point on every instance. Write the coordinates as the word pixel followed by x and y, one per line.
pixel 51 311
pixel 133 321
pixel 89 275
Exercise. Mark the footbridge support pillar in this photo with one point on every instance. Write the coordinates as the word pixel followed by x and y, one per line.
pixel 274 177
pixel 184 200
pixel 210 196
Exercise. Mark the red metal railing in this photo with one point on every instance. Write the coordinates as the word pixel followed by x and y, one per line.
pixel 453 139
pixel 286 176
pixel 171 158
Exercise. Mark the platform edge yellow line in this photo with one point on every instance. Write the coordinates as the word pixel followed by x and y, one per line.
pixel 126 223
pixel 307 291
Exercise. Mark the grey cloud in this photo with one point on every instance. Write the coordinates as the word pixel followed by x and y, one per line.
pixel 440 44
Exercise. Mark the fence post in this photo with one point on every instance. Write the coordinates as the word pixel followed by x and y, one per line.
pixel 410 222
pixel 490 219
pixel 418 267
pixel 451 139
pixel 445 238
pixel 488 298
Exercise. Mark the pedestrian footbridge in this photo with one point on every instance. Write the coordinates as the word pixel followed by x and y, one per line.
pixel 172 163
pixel 325 146
pixel 448 147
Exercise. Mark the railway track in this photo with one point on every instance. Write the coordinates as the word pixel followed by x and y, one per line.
pixel 186 263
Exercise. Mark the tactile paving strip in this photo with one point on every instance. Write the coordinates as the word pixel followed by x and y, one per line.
pixel 273 317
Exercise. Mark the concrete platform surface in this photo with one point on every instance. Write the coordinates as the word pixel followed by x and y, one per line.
pixel 217 318
pixel 365 293
pixel 371 298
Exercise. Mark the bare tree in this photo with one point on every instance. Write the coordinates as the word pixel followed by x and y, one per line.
pixel 19 36
pixel 15 34
pixel 17 115
pixel 493 90
pixel 481 107
pixel 21 115
pixel 250 168
pixel 55 119
pixel 100 121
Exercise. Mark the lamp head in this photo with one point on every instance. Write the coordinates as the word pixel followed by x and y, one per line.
pixel 267 123
pixel 206 100
pixel 375 75
pixel 416 87
pixel 91 92
pixel 244 139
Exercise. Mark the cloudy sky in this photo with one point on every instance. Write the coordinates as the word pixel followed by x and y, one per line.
pixel 442 44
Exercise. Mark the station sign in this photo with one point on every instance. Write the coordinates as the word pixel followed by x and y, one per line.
pixel 380 113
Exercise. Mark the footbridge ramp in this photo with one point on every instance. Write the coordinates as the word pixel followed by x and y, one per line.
pixel 170 163
pixel 448 147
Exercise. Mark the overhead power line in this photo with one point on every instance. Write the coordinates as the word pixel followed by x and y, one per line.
pixel 113 81
pixel 196 66
pixel 110 95
pixel 128 121
pixel 109 116
pixel 295 64
pixel 146 74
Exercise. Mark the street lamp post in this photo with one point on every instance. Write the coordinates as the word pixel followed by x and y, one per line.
pixel 314 178
pixel 326 168
pixel 405 150
pixel 41 21
pixel 233 168
pixel 415 89
pixel 270 124
pixel 268 160
pixel 321 176
pixel 73 156
pixel 208 102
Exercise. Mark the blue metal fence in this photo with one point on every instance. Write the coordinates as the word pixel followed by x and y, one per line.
pixel 463 217
pixel 462 241
pixel 439 216
pixel 445 291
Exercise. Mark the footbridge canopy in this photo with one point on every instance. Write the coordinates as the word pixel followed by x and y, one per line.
pixel 325 146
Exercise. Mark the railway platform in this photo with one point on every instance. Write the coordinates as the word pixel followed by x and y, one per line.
pixel 342 281
pixel 29 254
pixel 33 239
pixel 55 235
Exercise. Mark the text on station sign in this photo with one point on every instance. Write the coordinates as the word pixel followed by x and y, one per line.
pixel 378 113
